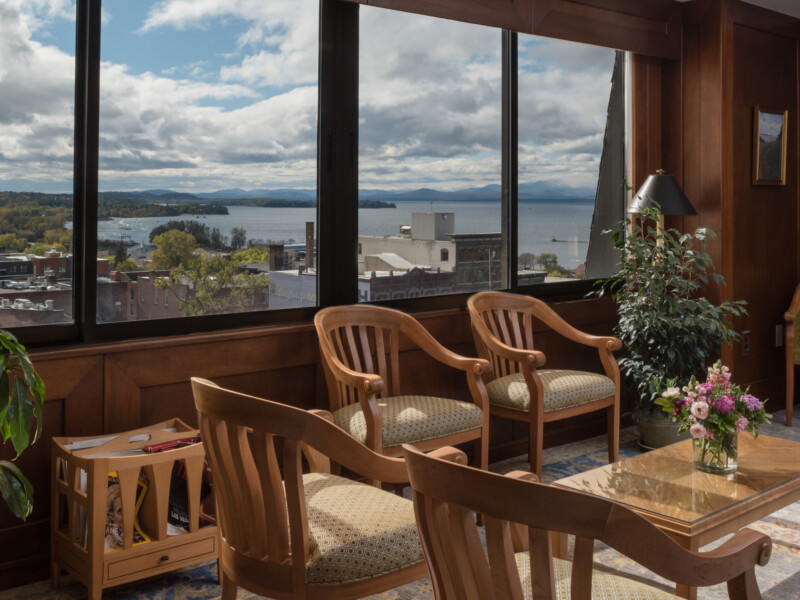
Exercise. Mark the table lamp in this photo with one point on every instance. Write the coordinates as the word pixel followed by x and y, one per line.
pixel 664 190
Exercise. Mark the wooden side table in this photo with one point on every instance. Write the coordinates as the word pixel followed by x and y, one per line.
pixel 80 484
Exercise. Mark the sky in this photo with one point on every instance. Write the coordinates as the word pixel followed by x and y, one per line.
pixel 202 95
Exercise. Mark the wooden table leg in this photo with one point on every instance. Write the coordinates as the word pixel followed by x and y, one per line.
pixel 686 591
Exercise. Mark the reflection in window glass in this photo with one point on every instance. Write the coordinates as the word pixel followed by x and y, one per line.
pixel 207 157
pixel 564 101
pixel 429 156
pixel 37 91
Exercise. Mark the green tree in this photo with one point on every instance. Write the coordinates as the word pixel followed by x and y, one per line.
pixel 253 254
pixel 41 248
pixel 173 249
pixel 120 255
pixel 127 265
pixel 8 241
pixel 238 238
pixel 525 260
pixel 548 261
pixel 216 285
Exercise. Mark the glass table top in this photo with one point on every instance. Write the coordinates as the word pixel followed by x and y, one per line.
pixel 665 483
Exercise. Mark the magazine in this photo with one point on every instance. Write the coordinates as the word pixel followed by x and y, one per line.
pixel 114 516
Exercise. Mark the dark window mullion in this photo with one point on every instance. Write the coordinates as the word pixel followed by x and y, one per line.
pixel 87 108
pixel 510 137
pixel 337 164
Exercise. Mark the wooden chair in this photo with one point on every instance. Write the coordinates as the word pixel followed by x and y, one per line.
pixel 503 327
pixel 792 346
pixel 360 347
pixel 519 513
pixel 301 536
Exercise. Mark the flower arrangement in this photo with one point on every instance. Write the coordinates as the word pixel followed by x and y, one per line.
pixel 714 412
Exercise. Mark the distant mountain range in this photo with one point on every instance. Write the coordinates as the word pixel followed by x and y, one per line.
pixel 528 192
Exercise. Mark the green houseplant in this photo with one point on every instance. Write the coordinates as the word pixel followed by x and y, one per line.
pixel 667 327
pixel 21 403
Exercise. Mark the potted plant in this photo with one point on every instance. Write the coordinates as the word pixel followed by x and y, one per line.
pixel 21 403
pixel 667 327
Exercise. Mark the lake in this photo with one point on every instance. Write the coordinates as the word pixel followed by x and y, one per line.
pixel 539 224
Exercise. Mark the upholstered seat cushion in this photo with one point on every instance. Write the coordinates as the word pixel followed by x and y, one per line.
pixel 604 585
pixel 562 389
pixel 356 531
pixel 410 419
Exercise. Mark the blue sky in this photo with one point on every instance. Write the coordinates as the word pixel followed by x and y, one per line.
pixel 215 94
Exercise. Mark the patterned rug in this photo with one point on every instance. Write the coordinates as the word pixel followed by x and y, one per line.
pixel 779 580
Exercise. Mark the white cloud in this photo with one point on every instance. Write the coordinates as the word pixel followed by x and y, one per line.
pixel 430 103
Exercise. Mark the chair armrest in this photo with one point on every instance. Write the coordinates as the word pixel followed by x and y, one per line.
pixel 533 358
pixel 449 454
pixel 666 558
pixel 342 448
pixel 368 382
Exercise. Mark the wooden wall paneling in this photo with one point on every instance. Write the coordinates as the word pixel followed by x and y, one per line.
pixel 646 121
pixel 73 406
pixel 689 151
pixel 765 74
pixel 130 368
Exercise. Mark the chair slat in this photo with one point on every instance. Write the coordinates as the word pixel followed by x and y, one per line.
pixel 500 551
pixel 274 497
pixel 380 351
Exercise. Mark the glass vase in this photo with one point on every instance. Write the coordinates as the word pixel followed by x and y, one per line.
pixel 717 455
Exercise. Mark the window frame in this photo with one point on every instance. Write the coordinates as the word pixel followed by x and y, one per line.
pixel 337 193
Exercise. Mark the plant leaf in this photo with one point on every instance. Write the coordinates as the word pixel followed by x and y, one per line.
pixel 20 415
pixel 17 491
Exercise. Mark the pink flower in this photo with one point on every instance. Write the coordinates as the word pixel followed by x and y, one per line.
pixel 741 423
pixel 724 404
pixel 700 409
pixel 704 388
pixel 751 402
pixel 697 430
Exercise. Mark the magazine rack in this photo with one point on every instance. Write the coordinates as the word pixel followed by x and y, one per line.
pixel 80 483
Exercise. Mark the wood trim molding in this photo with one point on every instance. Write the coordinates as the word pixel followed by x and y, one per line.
pixel 515 15
pixel 651 27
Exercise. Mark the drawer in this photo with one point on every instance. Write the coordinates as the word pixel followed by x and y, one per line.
pixel 173 555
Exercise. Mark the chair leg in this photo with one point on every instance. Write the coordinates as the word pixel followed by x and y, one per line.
pixel 789 393
pixel 536 445
pixel 481 450
pixel 612 416
pixel 229 588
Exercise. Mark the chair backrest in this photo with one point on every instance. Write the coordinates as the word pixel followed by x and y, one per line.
pixel 446 496
pixel 364 339
pixel 254 449
pixel 509 319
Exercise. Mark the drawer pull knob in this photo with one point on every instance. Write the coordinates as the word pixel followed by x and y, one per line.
pixel 165 558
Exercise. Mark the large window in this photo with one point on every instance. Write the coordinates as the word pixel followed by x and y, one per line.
pixel 207 158
pixel 218 152
pixel 566 137
pixel 37 90
pixel 430 102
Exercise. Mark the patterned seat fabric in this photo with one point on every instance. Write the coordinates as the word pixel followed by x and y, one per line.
pixel 410 419
pixel 562 389
pixel 356 531
pixel 604 585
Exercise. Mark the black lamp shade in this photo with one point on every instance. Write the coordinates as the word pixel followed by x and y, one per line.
pixel 664 190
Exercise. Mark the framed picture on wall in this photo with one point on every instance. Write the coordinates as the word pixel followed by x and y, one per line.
pixel 769 146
